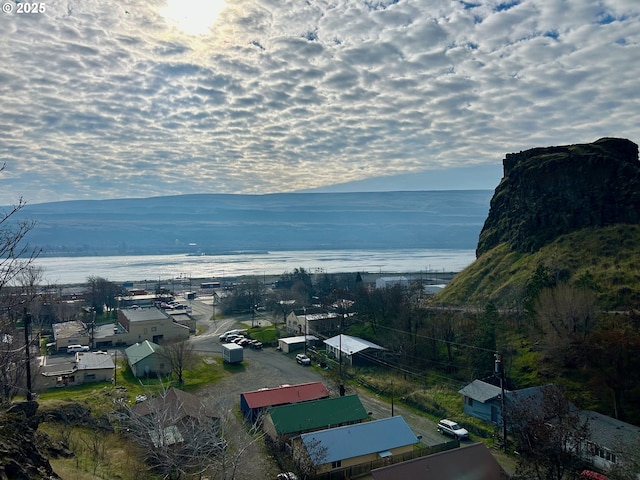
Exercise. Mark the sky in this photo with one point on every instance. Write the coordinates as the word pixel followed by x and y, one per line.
pixel 142 98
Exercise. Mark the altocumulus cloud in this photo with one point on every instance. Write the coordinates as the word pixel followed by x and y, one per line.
pixel 112 99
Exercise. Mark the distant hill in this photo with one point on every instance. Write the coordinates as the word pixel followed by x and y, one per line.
pixel 290 221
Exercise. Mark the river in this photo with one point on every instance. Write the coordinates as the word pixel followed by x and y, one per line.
pixel 70 270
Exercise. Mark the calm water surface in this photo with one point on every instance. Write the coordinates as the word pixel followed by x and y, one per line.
pixel 63 270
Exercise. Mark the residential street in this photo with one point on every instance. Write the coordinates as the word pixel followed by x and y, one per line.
pixel 269 368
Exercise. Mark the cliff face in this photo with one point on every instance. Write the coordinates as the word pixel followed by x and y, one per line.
pixel 23 452
pixel 548 192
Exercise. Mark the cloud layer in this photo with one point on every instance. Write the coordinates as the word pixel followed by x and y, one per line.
pixel 105 100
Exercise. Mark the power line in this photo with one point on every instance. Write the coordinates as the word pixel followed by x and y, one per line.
pixel 450 342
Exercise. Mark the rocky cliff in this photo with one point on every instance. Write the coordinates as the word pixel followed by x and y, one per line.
pixel 23 451
pixel 548 192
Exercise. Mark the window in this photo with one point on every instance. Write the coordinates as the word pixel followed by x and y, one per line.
pixel 90 376
pixel 336 464
pixel 468 401
pixel 153 329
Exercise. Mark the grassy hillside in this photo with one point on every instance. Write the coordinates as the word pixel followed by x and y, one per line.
pixel 608 256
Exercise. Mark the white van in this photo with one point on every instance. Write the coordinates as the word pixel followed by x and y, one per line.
pixel 77 348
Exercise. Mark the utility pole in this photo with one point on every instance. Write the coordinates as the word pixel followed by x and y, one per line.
pixel 499 370
pixel 27 321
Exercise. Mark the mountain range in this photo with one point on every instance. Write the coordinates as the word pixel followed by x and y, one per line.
pixel 219 223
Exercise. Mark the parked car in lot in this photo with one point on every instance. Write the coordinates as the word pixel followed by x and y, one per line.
pixel 77 348
pixel 225 336
pixel 302 359
pixel 244 342
pixel 256 344
pixel 449 427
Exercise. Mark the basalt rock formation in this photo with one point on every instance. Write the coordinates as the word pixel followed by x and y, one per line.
pixel 548 192
pixel 23 451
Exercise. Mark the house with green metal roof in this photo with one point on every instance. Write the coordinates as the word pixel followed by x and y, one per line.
pixel 145 360
pixel 286 421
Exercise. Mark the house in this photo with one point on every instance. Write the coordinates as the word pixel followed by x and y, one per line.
pixel 483 400
pixel 291 344
pixel 150 323
pixel 70 333
pixel 471 461
pixel 316 321
pixel 613 444
pixel 355 351
pixel 176 404
pixel 145 360
pixel 84 368
pixel 341 448
pixel 252 404
pixel 172 416
pixel 283 422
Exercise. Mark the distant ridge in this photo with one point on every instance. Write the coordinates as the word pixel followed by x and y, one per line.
pixel 214 223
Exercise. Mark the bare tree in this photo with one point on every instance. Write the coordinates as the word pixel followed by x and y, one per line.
pixel 566 315
pixel 16 257
pixel 548 433
pixel 310 456
pixel 12 360
pixel 183 440
pixel 180 356
pixel 178 438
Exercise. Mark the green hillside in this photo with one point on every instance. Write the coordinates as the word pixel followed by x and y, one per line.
pixel 605 258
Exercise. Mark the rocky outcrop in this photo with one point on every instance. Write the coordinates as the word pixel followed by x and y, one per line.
pixel 548 192
pixel 21 447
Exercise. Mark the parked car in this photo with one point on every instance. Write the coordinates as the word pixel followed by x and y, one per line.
pixel 77 348
pixel 244 342
pixel 449 427
pixel 228 333
pixel 256 344
pixel 302 359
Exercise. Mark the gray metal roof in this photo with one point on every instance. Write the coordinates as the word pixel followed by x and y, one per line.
pixel 94 361
pixel 611 433
pixel 481 391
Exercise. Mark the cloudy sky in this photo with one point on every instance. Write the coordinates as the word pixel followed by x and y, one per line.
pixel 102 99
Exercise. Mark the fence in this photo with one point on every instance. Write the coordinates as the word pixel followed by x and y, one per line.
pixel 365 468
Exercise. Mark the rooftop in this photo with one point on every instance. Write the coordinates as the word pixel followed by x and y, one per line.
pixel 142 314
pixel 94 361
pixel 69 329
pixel 350 344
pixel 350 441
pixel 139 351
pixel 305 416
pixel 284 394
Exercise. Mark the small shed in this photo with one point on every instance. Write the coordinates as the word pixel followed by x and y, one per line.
pixel 145 360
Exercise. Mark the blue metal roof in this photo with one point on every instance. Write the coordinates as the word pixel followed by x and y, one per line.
pixel 351 441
